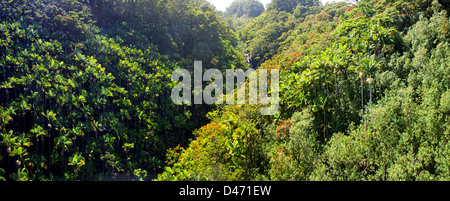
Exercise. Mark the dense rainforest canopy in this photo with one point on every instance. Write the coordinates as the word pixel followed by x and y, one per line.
pixel 248 8
pixel 85 90
pixel 85 85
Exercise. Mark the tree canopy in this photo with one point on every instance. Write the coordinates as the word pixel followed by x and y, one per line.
pixel 85 91
pixel 363 91
pixel 249 8
pixel 290 5
pixel 85 85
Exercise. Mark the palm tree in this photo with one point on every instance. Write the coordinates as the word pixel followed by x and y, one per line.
pixel 322 104
pixel 379 37
pixel 338 58
pixel 362 70
pixel 319 73
pixel 372 65
pixel 366 65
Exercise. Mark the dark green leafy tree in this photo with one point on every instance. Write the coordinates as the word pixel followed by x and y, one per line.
pixel 290 5
pixel 248 8
pixel 82 100
pixel 388 65
pixel 85 91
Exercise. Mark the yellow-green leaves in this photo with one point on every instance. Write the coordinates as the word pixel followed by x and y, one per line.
pixel 49 115
pixel 77 160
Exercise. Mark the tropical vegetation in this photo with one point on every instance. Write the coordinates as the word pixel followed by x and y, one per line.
pixel 85 90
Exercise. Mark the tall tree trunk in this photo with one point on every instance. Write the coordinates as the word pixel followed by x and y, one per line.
pixel 324 126
pixel 371 111
pixel 362 98
pixel 336 86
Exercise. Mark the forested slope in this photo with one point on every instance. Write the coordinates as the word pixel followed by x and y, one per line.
pixel 85 85
pixel 364 96
pixel 85 90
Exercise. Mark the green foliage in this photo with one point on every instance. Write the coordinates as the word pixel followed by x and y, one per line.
pixel 223 150
pixel 77 104
pixel 183 30
pixel 248 8
pixel 370 103
pixel 290 5
pixel 85 91
pixel 297 147
pixel 261 35
pixel 290 35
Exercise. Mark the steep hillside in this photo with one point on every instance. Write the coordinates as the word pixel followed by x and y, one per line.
pixel 85 85
pixel 364 96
